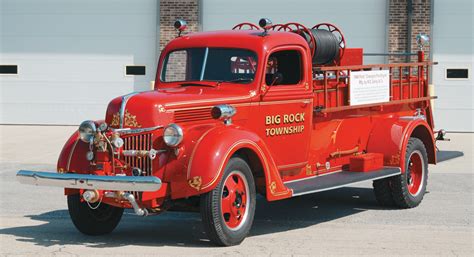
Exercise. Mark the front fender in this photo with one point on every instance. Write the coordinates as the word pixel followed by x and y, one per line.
pixel 390 137
pixel 214 149
pixel 72 158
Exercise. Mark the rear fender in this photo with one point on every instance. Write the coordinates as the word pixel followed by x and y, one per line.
pixel 390 137
pixel 214 149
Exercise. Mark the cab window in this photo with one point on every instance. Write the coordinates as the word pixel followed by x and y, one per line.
pixel 284 68
pixel 210 64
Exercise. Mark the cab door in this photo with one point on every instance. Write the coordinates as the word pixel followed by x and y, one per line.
pixel 285 109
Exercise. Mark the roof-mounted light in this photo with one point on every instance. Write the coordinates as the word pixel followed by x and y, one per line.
pixel 265 24
pixel 422 40
pixel 180 26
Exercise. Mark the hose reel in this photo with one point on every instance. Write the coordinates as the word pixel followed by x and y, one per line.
pixel 325 40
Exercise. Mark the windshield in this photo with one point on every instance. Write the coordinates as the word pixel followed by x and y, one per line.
pixel 210 64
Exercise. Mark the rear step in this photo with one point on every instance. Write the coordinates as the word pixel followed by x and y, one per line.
pixel 337 180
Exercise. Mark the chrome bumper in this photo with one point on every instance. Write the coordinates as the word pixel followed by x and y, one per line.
pixel 85 181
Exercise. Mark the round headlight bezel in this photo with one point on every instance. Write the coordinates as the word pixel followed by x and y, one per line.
pixel 87 131
pixel 173 135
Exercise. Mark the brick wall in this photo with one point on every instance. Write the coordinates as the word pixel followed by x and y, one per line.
pixel 398 18
pixel 170 11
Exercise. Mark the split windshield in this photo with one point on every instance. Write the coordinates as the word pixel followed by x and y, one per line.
pixel 210 64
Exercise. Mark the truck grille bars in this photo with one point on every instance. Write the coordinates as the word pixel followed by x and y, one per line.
pixel 141 142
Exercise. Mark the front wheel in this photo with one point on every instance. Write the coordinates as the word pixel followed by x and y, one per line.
pixel 228 210
pixel 99 221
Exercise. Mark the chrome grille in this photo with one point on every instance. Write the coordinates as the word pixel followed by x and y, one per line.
pixel 139 142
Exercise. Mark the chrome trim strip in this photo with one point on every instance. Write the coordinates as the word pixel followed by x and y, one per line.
pixel 87 181
pixel 204 62
pixel 68 166
pixel 125 99
pixel 125 131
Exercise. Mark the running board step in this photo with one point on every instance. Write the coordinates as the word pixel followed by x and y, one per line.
pixel 337 180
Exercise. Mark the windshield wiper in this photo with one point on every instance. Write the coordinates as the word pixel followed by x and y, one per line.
pixel 235 80
pixel 187 84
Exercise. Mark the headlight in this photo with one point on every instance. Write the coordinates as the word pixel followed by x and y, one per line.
pixel 87 131
pixel 173 135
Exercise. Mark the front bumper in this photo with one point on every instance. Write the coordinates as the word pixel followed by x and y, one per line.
pixel 86 181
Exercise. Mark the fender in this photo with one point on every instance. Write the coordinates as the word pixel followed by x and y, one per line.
pixel 72 158
pixel 214 149
pixel 390 137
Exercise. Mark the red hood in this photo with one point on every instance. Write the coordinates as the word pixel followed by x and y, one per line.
pixel 152 108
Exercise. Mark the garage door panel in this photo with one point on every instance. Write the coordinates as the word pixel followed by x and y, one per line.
pixel 452 48
pixel 454 119
pixel 453 97
pixel 78 25
pixel 58 92
pixel 106 48
pixel 71 57
pixel 52 113
pixel 363 27
pixel 78 7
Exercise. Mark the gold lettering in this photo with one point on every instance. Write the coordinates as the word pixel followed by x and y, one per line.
pixel 268 120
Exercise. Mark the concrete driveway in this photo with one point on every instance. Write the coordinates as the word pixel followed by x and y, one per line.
pixel 34 220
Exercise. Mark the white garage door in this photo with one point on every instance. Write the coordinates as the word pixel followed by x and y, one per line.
pixel 71 57
pixel 453 48
pixel 363 22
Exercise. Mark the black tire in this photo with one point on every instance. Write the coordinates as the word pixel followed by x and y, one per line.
pixel 214 219
pixel 94 222
pixel 401 194
pixel 383 192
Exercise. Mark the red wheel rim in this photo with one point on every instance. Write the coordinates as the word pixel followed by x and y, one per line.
pixel 415 173
pixel 235 200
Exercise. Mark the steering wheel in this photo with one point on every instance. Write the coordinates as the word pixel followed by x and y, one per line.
pixel 250 26
pixel 302 31
pixel 337 32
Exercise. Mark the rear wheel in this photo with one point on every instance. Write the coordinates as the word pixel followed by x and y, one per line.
pixel 406 190
pixel 409 188
pixel 99 221
pixel 228 210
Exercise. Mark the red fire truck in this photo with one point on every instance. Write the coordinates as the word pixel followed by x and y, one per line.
pixel 281 110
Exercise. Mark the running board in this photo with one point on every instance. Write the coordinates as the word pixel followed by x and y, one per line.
pixel 337 180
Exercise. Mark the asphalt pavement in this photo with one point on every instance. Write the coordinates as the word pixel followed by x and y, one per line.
pixel 34 221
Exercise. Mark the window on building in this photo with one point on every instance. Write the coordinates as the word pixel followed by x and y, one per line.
pixel 131 70
pixel 9 69
pixel 457 73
